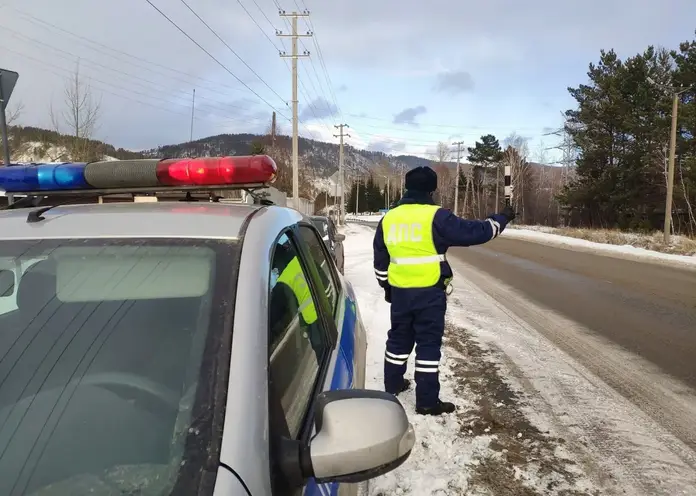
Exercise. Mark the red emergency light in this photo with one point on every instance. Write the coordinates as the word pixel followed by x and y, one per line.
pixel 217 171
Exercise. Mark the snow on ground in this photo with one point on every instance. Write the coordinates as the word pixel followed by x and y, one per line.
pixel 489 446
pixel 42 153
pixel 624 251
pixel 365 217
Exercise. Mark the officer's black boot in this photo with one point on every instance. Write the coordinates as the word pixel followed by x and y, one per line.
pixel 439 409
pixel 404 387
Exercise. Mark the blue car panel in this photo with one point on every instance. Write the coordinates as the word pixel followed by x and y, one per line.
pixel 343 374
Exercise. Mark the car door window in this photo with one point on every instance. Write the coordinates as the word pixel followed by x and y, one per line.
pixel 323 262
pixel 297 340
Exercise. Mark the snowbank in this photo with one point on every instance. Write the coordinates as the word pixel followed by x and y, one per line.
pixel 365 217
pixel 619 251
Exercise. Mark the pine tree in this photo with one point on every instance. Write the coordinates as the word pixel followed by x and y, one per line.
pixel 621 128
pixel 485 156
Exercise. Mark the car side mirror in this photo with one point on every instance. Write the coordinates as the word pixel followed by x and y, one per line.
pixel 360 434
pixel 340 237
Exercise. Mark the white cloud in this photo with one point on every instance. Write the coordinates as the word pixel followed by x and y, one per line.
pixel 387 55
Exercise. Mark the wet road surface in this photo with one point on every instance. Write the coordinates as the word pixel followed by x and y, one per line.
pixel 646 308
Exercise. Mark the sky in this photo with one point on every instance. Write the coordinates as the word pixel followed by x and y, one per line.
pixel 402 74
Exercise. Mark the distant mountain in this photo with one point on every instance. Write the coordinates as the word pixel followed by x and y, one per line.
pixel 31 144
pixel 323 157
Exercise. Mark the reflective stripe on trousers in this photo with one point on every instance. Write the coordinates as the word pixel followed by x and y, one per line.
pixel 417 318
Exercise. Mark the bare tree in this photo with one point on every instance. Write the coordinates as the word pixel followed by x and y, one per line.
pixel 80 114
pixel 14 113
pixel 515 155
pixel 541 155
pixel 443 153
pixel 445 179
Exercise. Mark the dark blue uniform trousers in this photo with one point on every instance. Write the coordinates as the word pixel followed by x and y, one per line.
pixel 417 317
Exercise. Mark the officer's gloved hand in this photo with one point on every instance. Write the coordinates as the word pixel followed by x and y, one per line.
pixel 387 294
pixel 508 213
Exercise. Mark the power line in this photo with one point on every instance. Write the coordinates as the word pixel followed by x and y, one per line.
pixel 326 70
pixel 444 126
pixel 303 89
pixel 257 24
pixel 397 139
pixel 315 40
pixel 32 19
pixel 229 48
pixel 420 130
pixel 321 93
pixel 215 59
pixel 70 56
pixel 43 64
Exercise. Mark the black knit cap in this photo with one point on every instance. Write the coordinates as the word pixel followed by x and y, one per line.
pixel 421 179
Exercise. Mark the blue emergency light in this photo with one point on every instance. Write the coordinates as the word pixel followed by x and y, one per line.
pixel 155 174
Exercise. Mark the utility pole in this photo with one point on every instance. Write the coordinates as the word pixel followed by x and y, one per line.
pixel 273 130
pixel 294 56
pixel 193 109
pixel 8 80
pixel 357 196
pixel 670 170
pixel 456 181
pixel 402 181
pixel 340 127
pixel 676 92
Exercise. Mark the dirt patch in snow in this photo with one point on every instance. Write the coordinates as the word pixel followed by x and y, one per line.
pixel 523 460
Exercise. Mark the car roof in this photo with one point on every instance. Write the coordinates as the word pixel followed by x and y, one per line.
pixel 319 217
pixel 131 220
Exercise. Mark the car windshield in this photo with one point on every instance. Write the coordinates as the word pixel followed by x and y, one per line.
pixel 107 353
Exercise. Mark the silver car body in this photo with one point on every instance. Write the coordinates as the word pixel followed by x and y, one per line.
pixel 245 438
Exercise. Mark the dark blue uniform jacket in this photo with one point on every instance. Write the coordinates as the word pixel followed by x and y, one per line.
pixel 448 230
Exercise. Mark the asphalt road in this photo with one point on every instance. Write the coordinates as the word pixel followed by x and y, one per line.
pixel 644 308
pixel 648 309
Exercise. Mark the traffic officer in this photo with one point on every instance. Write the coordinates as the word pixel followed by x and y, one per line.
pixel 410 264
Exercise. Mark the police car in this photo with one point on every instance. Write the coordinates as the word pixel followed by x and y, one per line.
pixel 179 347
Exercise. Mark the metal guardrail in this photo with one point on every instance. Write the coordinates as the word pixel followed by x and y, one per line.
pixel 355 220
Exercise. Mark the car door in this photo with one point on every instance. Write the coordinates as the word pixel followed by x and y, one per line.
pixel 302 346
pixel 342 373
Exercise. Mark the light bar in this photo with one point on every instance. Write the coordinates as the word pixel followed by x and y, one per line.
pixel 153 174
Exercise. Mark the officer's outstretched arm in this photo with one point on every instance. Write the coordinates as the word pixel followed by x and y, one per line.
pixel 381 257
pixel 456 231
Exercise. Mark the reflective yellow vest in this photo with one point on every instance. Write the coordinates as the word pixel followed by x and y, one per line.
pixel 408 235
pixel 293 276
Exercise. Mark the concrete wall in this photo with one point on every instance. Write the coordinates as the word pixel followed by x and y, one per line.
pixel 304 205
